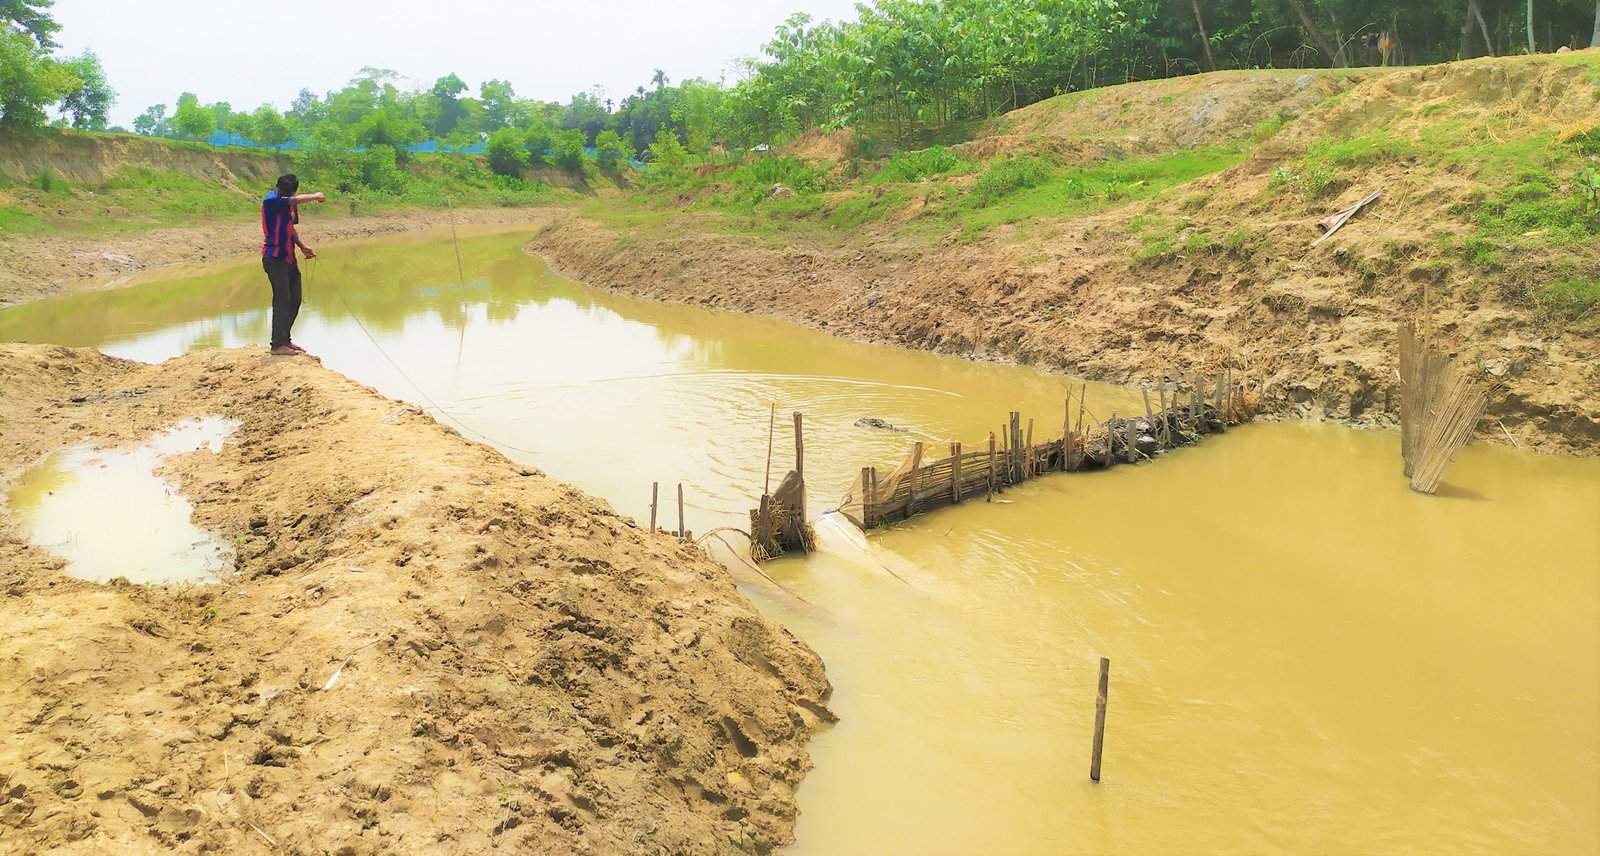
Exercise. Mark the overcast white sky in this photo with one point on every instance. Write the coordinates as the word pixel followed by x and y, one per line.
pixel 247 53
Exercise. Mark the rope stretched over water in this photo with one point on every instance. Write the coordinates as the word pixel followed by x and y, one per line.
pixel 461 426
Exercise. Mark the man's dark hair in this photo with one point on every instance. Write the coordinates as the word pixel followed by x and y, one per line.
pixel 288 184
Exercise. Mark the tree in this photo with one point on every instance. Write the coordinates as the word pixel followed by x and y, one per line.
pixel 506 152
pixel 500 106
pixel 1594 40
pixel 271 127
pixel 223 111
pixel 30 18
pixel 446 92
pixel 585 113
pixel 241 125
pixel 192 121
pixel 305 108
pixel 667 155
pixel 152 122
pixel 660 79
pixel 92 100
pixel 610 152
pixel 539 141
pixel 29 80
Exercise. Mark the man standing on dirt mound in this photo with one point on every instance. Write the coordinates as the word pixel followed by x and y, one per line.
pixel 280 211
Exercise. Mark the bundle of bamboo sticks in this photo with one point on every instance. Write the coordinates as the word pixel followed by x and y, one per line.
pixel 1440 405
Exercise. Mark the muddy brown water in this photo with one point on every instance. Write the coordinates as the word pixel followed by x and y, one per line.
pixel 1306 656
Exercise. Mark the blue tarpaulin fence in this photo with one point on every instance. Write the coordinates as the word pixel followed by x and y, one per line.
pixel 228 138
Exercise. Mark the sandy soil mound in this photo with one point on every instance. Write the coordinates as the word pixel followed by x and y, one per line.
pixel 519 667
pixel 1155 116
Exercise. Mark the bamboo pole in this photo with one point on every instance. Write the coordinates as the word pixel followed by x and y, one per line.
pixel 772 421
pixel 955 473
pixel 680 510
pixel 655 488
pixel 990 497
pixel 1028 453
pixel 1066 435
pixel 916 470
pixel 1100 719
pixel 866 497
pixel 799 446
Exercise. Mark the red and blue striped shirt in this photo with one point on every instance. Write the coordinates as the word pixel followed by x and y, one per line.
pixel 278 216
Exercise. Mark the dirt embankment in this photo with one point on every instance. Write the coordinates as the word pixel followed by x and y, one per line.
pixel 1069 301
pixel 1216 272
pixel 35 267
pixel 519 667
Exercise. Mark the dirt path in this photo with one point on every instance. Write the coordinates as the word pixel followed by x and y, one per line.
pixel 521 667
pixel 35 267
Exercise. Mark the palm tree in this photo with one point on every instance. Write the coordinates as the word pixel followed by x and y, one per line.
pixel 660 78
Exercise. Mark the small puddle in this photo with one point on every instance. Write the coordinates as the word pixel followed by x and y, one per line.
pixel 109 515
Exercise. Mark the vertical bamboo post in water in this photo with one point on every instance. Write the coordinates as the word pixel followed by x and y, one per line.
pixel 655 489
pixel 1028 453
pixel 916 470
pixel 991 468
pixel 799 446
pixel 680 510
pixel 955 473
pixel 866 497
pixel 1100 719
pixel 1066 435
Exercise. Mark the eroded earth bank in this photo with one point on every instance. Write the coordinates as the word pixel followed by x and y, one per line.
pixel 518 666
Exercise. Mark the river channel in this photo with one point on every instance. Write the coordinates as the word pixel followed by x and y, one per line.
pixel 1306 656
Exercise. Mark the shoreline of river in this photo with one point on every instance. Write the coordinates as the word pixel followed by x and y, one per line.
pixel 958 300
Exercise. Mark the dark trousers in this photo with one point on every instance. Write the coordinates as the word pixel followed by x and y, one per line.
pixel 285 279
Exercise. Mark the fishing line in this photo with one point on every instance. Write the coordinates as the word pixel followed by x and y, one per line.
pixel 402 372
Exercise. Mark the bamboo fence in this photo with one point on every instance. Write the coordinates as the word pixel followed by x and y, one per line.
pixel 1010 456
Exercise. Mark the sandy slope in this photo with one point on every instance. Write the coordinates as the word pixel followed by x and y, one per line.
pixel 522 668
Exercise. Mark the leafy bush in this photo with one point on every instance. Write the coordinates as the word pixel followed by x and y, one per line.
pixel 916 166
pixel 507 153
pixel 566 150
pixel 610 153
pixel 1010 175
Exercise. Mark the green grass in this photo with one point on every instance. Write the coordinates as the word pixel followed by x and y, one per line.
pixel 1573 299
pixel 1092 187
pixel 934 162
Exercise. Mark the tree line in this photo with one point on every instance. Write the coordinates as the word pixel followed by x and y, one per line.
pixel 900 68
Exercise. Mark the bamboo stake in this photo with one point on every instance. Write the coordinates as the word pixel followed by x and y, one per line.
pixel 955 473
pixel 1100 719
pixel 799 446
pixel 1028 453
pixel 655 488
pixel 680 510
pixel 1066 435
pixel 772 420
pixel 916 470
pixel 990 497
pixel 866 497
